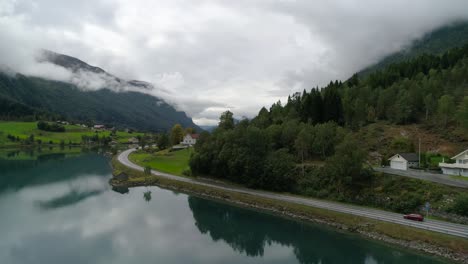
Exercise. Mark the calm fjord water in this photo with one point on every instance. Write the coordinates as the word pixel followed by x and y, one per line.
pixel 59 208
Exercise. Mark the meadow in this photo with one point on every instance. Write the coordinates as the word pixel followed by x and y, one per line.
pixel 73 133
pixel 174 162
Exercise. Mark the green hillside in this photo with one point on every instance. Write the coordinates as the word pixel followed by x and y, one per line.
pixel 436 42
pixel 23 97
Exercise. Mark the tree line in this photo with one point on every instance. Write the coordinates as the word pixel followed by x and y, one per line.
pixel 274 157
pixel 429 89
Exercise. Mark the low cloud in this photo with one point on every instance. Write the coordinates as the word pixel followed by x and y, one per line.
pixel 209 56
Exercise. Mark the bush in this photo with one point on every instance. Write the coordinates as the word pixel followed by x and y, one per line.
pixel 407 203
pixel 11 138
pixel 460 205
pixel 187 172
pixel 401 144
pixel 41 125
pixel 277 172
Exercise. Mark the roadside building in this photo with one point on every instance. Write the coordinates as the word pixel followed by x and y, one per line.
pixel 460 167
pixel 404 161
pixel 99 127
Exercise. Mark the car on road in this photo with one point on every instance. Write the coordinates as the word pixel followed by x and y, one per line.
pixel 414 217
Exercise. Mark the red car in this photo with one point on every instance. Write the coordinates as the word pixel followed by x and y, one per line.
pixel 415 217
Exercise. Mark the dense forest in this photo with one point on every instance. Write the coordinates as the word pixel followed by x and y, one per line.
pixel 12 110
pixel 308 145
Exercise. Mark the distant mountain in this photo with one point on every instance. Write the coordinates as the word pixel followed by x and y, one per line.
pixel 69 62
pixel 208 128
pixel 78 66
pixel 436 42
pixel 24 96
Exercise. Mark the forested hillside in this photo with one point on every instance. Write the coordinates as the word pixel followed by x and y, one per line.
pixel 309 145
pixel 436 43
pixel 31 98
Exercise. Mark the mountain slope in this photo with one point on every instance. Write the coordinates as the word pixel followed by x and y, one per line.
pixel 133 109
pixel 436 42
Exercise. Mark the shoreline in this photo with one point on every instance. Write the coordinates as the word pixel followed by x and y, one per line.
pixel 390 233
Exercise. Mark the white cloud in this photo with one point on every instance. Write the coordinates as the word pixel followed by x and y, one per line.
pixel 207 56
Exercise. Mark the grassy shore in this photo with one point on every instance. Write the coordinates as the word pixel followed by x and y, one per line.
pixel 450 247
pixel 174 162
pixel 73 133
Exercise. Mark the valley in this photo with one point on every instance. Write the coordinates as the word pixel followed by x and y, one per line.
pixel 246 132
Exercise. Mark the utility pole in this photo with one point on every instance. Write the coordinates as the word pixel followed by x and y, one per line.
pixel 419 153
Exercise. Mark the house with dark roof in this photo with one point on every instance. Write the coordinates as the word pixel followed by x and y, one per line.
pixel 404 161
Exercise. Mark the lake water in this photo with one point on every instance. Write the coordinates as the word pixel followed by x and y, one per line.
pixel 59 208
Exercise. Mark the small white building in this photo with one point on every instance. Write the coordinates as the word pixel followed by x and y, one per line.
pixel 189 139
pixel 403 161
pixel 460 167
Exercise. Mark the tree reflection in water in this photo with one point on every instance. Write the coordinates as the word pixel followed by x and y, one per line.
pixel 248 232
pixel 147 196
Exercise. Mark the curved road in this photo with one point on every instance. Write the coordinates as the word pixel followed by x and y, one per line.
pixel 429 224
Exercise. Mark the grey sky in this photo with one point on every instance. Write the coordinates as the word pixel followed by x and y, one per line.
pixel 218 55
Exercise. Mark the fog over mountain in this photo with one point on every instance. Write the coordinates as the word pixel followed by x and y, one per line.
pixel 209 56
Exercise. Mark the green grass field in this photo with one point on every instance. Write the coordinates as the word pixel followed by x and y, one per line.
pixel 175 162
pixel 73 133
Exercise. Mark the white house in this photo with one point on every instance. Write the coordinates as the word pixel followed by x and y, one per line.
pixel 460 167
pixel 190 139
pixel 404 161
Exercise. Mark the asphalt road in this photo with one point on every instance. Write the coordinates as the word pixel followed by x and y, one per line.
pixel 429 224
pixel 422 175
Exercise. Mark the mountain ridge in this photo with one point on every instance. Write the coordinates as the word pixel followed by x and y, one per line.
pixel 435 42
pixel 127 107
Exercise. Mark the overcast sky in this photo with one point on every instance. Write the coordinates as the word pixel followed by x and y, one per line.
pixel 210 56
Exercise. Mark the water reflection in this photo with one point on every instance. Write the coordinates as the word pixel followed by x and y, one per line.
pixel 249 232
pixel 26 170
pixel 147 196
pixel 23 169
pixel 121 190
pixel 68 199
pixel 60 209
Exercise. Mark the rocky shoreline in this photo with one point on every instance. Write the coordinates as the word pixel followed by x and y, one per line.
pixel 364 230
